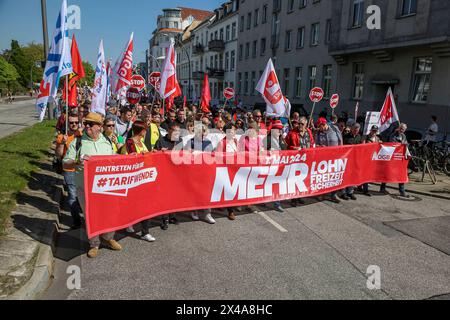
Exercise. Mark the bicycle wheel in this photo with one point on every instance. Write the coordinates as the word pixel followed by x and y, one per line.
pixel 446 165
pixel 431 173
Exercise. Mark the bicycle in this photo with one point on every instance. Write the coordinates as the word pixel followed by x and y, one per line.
pixel 420 162
pixel 439 156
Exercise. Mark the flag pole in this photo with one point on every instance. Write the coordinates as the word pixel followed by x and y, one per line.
pixel 67 104
pixel 312 112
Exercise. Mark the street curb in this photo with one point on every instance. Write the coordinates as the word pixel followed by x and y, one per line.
pixel 43 267
pixel 432 195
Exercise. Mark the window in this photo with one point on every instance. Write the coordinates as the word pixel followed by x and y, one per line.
pixel 303 4
pixel 312 73
pixel 255 45
pixel 221 34
pixel 241 27
pixel 298 82
pixel 233 31
pixel 409 7
pixel 246 84
pixel 247 50
pixel 239 88
pixel 290 7
pixel 286 84
pixel 253 87
pixel 227 62
pixel 315 34
pixel 263 46
pixel 264 14
pixel 249 20
pixel 328 32
pixel 175 24
pixel 256 17
pixel 358 13
pixel 227 33
pixel 287 43
pixel 275 30
pixel 301 37
pixel 326 81
pixel 422 77
pixel 233 60
pixel 241 52
pixel 358 80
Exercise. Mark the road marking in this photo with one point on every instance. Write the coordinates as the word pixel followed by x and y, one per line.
pixel 270 220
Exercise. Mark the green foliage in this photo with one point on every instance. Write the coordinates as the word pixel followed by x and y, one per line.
pixel 8 72
pixel 90 74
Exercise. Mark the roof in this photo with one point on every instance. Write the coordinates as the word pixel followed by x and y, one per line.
pixel 169 30
pixel 199 15
pixel 188 31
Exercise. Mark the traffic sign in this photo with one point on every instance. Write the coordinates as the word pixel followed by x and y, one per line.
pixel 133 96
pixel 334 100
pixel 228 93
pixel 316 94
pixel 138 82
pixel 154 78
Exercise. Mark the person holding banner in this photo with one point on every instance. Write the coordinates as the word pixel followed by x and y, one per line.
pixel 372 137
pixel 350 139
pixel 135 145
pixel 398 137
pixel 108 132
pixel 92 143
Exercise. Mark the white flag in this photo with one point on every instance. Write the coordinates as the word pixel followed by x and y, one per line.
pixel 100 88
pixel 59 62
pixel 270 89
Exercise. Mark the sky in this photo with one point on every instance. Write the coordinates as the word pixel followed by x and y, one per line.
pixel 110 20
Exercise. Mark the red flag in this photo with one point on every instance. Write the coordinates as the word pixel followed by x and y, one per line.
pixel 123 69
pixel 170 102
pixel 389 114
pixel 206 95
pixel 169 83
pixel 78 73
pixel 184 102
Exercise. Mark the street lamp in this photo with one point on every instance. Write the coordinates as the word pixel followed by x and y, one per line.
pixel 178 42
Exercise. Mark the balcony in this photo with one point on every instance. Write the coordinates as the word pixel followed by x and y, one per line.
pixel 198 75
pixel 216 73
pixel 198 49
pixel 216 45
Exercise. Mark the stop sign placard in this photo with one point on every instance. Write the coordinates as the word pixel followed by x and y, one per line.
pixel 316 94
pixel 334 100
pixel 154 78
pixel 228 93
pixel 133 96
pixel 138 82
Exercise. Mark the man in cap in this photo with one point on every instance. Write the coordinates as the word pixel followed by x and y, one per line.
pixel 92 143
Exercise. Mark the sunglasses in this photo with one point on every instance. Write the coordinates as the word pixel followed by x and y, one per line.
pixel 110 125
pixel 89 124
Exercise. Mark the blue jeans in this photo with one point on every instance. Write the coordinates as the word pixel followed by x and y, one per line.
pixel 349 191
pixel 72 201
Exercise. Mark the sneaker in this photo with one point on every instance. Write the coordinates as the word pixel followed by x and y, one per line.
pixel 352 196
pixel 383 191
pixel 231 216
pixel 404 195
pixel 195 217
pixel 113 245
pixel 344 197
pixel 294 202
pixel 165 225
pixel 367 194
pixel 279 209
pixel 210 219
pixel 130 230
pixel 252 210
pixel 335 199
pixel 148 238
pixel 174 221
pixel 92 253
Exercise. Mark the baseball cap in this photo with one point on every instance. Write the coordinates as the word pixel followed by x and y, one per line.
pixel 321 121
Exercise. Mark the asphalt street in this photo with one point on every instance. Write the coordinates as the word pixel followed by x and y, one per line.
pixel 316 251
pixel 16 116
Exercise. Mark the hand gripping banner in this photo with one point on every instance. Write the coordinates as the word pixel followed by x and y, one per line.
pixel 123 190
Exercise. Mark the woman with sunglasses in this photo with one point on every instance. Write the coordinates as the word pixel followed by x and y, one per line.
pixel 135 145
pixel 109 127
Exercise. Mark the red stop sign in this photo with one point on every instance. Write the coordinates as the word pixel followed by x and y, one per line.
pixel 334 100
pixel 228 93
pixel 138 82
pixel 133 96
pixel 316 94
pixel 154 78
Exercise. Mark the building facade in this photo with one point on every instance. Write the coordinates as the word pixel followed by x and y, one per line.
pixel 295 35
pixel 409 53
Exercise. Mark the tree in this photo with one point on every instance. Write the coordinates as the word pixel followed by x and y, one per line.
pixel 20 62
pixel 8 73
pixel 34 53
pixel 90 74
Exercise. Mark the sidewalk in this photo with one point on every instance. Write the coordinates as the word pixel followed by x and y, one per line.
pixel 4 100
pixel 439 190
pixel 26 256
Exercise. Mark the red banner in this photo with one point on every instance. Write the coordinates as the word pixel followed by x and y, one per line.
pixel 123 190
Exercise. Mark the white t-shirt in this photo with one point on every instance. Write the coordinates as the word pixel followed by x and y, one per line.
pixel 432 133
